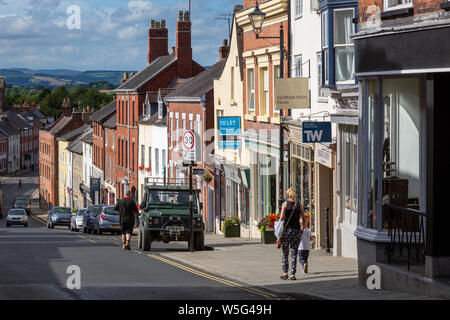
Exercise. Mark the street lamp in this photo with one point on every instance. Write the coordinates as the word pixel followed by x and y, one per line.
pixel 257 19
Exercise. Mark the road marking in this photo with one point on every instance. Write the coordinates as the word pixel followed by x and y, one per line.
pixel 211 277
pixel 86 238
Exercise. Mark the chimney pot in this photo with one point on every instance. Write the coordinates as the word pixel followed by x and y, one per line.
pixel 125 76
pixel 173 50
pixel 225 42
pixel 187 16
pixel 180 15
pixel 163 23
pixel 158 25
pixel 152 23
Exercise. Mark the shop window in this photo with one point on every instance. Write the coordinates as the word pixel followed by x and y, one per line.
pixel 397 4
pixel 343 45
pixel 393 152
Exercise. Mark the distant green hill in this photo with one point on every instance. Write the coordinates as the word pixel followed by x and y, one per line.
pixel 55 78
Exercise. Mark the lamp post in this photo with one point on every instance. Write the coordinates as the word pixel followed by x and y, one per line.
pixel 257 19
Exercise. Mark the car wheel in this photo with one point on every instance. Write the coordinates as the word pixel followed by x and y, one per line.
pixel 8 225
pixel 146 240
pixel 99 231
pixel 199 241
pixel 25 225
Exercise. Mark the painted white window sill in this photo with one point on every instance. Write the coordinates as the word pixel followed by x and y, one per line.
pixel 262 118
pixel 372 234
pixel 400 6
pixel 250 117
pixel 275 120
pixel 298 16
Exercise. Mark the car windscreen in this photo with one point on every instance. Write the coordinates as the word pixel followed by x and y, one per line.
pixel 17 213
pixel 22 202
pixel 168 197
pixel 62 210
pixel 95 209
pixel 81 213
pixel 110 211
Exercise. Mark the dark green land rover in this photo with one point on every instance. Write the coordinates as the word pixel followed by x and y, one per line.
pixel 165 215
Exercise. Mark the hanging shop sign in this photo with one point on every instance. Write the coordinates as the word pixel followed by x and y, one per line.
pixel 292 93
pixel 229 131
pixel 323 155
pixel 315 131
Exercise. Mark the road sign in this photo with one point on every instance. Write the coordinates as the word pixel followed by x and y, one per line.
pixel 198 171
pixel 315 131
pixel 190 146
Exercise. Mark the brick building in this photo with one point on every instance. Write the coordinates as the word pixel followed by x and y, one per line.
pixel 13 146
pixel 109 192
pixel 3 153
pixel 99 139
pixel 162 72
pixel 48 155
pixel 261 59
pixel 191 106
pixel 403 67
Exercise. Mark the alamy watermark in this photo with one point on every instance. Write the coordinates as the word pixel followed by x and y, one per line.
pixel 74 280
pixel 374 280
pixel 74 20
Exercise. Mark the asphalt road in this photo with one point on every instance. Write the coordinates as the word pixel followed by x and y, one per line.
pixel 34 263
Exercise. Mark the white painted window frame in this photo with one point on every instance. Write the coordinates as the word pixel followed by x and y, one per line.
pixel 351 81
pixel 398 6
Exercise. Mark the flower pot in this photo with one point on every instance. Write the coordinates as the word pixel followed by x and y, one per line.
pixel 232 231
pixel 268 236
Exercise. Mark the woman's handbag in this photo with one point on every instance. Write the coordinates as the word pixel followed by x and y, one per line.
pixel 279 225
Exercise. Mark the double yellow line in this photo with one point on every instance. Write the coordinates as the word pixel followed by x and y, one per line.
pixel 265 294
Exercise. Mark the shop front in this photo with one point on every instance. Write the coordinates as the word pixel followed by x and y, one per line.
pixel 403 122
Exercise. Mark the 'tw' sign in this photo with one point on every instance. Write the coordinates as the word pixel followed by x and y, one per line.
pixel 316 132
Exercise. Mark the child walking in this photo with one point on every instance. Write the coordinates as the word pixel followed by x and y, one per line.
pixel 305 246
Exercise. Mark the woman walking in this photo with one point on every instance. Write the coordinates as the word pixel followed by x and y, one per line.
pixel 290 214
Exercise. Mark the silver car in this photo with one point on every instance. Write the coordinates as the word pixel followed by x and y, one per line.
pixel 107 220
pixel 76 222
pixel 17 217
pixel 59 216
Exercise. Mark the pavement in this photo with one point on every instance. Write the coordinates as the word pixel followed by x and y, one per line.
pixel 249 261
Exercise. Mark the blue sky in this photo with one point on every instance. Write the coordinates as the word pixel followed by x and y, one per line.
pixel 113 34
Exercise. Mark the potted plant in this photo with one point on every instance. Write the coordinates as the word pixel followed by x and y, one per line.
pixel 207 177
pixel 266 227
pixel 148 169
pixel 141 167
pixel 232 227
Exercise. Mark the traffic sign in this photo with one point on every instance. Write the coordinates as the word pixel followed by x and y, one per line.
pixel 190 146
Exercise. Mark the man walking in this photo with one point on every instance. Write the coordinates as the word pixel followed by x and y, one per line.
pixel 127 208
pixel 20 185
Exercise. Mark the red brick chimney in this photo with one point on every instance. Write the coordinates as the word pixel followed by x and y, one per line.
pixel 158 42
pixel 224 49
pixel 66 109
pixel 250 3
pixel 183 50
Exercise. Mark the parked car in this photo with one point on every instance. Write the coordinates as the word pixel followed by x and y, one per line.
pixel 17 217
pixel 107 221
pixel 89 217
pixel 59 216
pixel 22 203
pixel 76 222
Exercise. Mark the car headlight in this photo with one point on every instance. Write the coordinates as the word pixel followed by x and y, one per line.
pixel 155 221
pixel 53 217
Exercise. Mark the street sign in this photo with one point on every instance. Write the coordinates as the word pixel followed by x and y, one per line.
pixel 190 146
pixel 315 131
pixel 198 171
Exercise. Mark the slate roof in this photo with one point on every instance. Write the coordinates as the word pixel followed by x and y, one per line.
pixel 89 137
pixel 38 114
pixel 75 133
pixel 8 129
pixel 3 136
pixel 199 85
pixel 105 112
pixel 153 120
pixel 111 123
pixel 60 124
pixel 153 69
pixel 76 146
pixel 18 121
